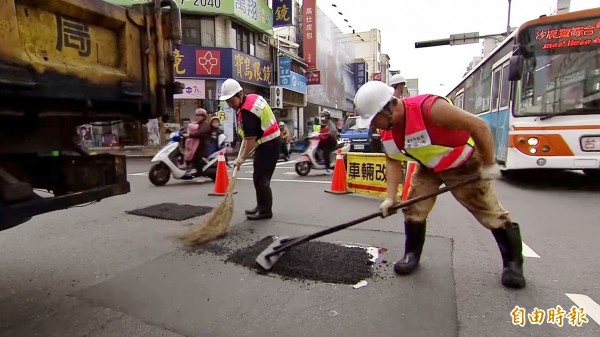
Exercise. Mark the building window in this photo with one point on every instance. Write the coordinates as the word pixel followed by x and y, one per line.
pixel 198 30
pixel 245 40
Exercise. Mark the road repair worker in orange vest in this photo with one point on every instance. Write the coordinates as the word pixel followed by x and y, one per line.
pixel 258 127
pixel 450 145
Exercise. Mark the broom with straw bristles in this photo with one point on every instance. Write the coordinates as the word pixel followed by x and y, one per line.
pixel 216 224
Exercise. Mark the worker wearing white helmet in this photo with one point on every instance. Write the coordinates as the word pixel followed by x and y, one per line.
pixel 399 84
pixel 259 129
pixel 450 145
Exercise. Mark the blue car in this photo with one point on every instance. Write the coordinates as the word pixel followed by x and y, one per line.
pixel 357 134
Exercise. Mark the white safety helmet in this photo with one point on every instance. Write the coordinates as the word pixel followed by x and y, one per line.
pixel 229 89
pixel 281 124
pixel 397 79
pixel 370 98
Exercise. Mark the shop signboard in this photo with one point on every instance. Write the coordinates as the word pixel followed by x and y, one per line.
pixel 221 63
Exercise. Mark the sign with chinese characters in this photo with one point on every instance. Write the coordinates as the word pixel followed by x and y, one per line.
pixel 255 12
pixel 199 62
pixel 192 89
pixel 366 174
pixel 289 79
pixel 309 37
pixel 282 13
pixel 567 35
pixel 376 76
pixel 313 77
pixel 226 115
pixel 360 74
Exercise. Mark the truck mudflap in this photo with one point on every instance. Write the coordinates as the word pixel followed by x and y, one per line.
pixel 15 214
pixel 71 179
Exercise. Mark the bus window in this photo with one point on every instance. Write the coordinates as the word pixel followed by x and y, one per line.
pixel 496 90
pixel 505 87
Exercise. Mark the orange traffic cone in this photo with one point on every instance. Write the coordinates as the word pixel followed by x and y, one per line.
pixel 410 169
pixel 222 180
pixel 338 183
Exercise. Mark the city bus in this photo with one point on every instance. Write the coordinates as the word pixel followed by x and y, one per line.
pixel 539 90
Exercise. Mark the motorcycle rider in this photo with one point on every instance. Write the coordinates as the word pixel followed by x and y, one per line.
pixel 196 145
pixel 215 131
pixel 449 145
pixel 286 138
pixel 327 139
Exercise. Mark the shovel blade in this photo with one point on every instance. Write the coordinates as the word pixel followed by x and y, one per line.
pixel 267 263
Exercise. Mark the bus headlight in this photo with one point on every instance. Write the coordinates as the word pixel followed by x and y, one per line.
pixel 545 148
pixel 532 150
pixel 533 141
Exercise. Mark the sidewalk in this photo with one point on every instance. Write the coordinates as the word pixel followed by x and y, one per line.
pixel 129 151
pixel 139 151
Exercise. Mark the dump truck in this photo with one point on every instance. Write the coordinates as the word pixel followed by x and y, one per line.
pixel 64 63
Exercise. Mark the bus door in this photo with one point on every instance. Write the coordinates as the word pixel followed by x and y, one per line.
pixel 500 113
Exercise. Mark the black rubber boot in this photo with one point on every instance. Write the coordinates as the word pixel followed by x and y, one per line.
pixel 511 246
pixel 252 211
pixel 413 246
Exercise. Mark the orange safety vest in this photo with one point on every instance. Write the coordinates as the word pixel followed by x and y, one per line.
pixel 418 145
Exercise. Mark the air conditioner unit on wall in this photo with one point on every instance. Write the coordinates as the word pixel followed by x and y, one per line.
pixel 276 97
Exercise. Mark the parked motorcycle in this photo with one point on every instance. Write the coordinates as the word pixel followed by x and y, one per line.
pixel 308 161
pixel 169 161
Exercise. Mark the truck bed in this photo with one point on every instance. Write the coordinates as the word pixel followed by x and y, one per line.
pixel 85 59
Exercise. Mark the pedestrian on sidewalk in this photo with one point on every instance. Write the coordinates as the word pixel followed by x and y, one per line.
pixel 258 127
pixel 450 145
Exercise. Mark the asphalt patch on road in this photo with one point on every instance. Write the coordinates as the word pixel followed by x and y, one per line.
pixel 313 260
pixel 169 211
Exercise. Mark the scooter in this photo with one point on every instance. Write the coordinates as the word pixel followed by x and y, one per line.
pixel 308 161
pixel 169 161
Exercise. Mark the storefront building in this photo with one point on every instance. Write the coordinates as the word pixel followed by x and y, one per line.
pixel 221 39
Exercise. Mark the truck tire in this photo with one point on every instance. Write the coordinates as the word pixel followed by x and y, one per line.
pixel 159 174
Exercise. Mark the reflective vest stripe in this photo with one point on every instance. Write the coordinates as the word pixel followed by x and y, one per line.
pixel 455 158
pixel 258 106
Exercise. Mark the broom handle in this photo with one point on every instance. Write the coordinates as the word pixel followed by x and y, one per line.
pixel 296 241
pixel 237 168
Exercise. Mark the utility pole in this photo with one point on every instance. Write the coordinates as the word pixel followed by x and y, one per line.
pixel 508 20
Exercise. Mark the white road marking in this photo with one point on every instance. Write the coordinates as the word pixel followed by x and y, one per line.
pixel 592 309
pixel 293 181
pixel 528 252
pixel 138 174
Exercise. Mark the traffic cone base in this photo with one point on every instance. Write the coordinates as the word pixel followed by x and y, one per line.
pixel 222 178
pixel 338 182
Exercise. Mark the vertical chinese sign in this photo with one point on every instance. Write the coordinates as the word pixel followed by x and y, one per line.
pixel 282 13
pixel 310 33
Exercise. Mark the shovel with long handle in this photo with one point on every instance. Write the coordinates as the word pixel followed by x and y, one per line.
pixel 277 248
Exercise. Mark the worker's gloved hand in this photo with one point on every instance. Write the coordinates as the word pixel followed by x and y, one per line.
pixel 490 172
pixel 385 207
pixel 239 161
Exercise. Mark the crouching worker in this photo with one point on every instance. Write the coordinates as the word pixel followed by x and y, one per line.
pixel 450 145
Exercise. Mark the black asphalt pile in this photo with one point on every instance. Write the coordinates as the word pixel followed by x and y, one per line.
pixel 170 211
pixel 313 260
